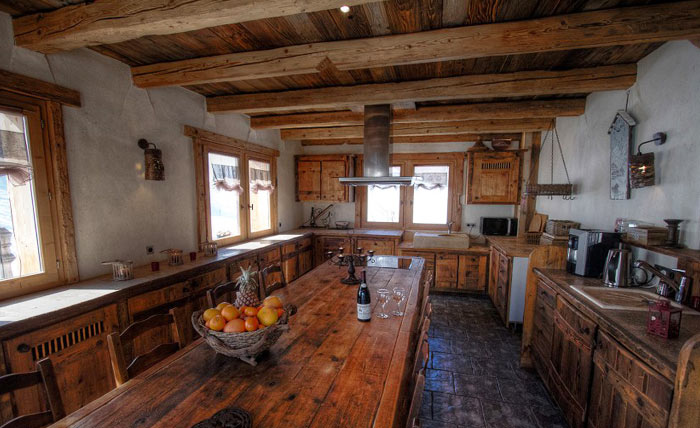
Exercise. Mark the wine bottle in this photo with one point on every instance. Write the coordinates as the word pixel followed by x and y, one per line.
pixel 364 309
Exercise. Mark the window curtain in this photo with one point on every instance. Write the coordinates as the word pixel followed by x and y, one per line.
pixel 226 178
pixel 14 159
pixel 260 177
pixel 432 180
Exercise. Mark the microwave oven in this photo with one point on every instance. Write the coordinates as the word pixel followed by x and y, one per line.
pixel 500 226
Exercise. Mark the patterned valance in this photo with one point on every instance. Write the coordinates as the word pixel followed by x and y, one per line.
pixel 226 178
pixel 260 177
pixel 432 180
pixel 14 159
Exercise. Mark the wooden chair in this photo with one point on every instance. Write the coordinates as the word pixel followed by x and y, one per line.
pixel 269 284
pixel 425 291
pixel 124 372
pixel 43 376
pixel 416 401
pixel 422 349
pixel 427 310
pixel 221 290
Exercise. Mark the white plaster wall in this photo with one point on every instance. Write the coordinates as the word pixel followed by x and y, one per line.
pixel 116 212
pixel 666 98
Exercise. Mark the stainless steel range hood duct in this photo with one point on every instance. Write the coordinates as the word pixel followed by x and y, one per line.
pixel 375 163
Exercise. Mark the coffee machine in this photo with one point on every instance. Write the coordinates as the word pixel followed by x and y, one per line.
pixel 587 251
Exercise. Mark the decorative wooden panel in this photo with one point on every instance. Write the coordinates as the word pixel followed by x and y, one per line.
pixel 446 270
pixel 308 180
pixel 472 273
pixel 381 247
pixel 494 178
pixel 625 392
pixel 78 350
pixel 331 188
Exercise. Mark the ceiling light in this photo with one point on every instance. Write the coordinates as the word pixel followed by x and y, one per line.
pixel 345 8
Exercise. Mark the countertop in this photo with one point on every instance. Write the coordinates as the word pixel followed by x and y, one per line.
pixel 328 370
pixel 511 245
pixel 627 327
pixel 480 249
pixel 380 233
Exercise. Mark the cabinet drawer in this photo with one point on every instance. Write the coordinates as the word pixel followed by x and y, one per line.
pixel 269 257
pixel 205 281
pixel 569 318
pixel 288 249
pixel 472 272
pixel 304 243
pixel 546 295
pixel 379 246
pixel 155 298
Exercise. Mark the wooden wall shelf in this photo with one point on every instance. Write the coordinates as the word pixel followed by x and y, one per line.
pixel 682 253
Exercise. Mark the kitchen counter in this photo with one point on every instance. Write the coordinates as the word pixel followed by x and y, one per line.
pixel 379 233
pixel 480 249
pixel 627 327
pixel 511 245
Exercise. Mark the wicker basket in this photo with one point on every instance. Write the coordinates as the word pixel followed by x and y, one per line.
pixel 533 237
pixel 549 189
pixel 245 346
pixel 560 227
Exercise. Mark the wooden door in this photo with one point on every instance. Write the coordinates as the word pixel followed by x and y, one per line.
pixel 381 247
pixel 543 329
pixel 446 270
pixel 571 361
pixel 472 273
pixel 331 188
pixel 78 350
pixel 494 178
pixel 290 261
pixel 308 180
pixel 626 393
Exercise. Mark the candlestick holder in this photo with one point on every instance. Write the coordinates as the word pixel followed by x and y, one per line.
pixel 351 261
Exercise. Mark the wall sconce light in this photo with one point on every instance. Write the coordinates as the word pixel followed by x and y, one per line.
pixel 641 166
pixel 153 161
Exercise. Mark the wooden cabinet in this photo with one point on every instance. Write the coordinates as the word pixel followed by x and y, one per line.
pixel 464 272
pixel 494 177
pixel 317 177
pixel 306 255
pixel 571 361
pixel 323 244
pixel 78 350
pixel 499 282
pixel 429 257
pixel 625 392
pixel 446 270
pixel 472 272
pixel 296 258
pixel 543 329
pixel 234 268
pixel 269 257
pixel 381 247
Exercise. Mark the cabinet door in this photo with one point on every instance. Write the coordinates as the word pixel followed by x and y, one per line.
pixel 472 273
pixel 493 273
pixel 571 361
pixel 494 178
pixel 308 180
pixel 78 350
pixel 381 247
pixel 626 393
pixel 503 286
pixel 305 250
pixel 290 261
pixel 543 329
pixel 331 188
pixel 446 270
pixel 330 243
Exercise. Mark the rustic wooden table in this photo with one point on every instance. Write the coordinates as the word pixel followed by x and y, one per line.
pixel 330 370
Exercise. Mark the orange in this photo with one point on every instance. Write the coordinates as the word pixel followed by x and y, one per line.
pixel 267 316
pixel 222 305
pixel 210 313
pixel 251 324
pixel 230 313
pixel 206 324
pixel 280 311
pixel 250 311
pixel 235 326
pixel 273 302
pixel 217 323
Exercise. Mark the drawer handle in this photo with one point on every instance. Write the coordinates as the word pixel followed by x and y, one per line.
pixel 23 347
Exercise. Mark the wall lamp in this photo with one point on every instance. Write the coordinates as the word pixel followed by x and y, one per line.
pixel 641 165
pixel 153 161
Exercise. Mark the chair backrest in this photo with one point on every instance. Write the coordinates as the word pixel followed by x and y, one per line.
pixel 422 349
pixel 427 311
pixel 425 290
pixel 221 290
pixel 123 371
pixel 272 279
pixel 43 376
pixel 416 401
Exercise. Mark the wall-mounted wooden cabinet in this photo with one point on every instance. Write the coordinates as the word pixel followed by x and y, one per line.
pixel 494 177
pixel 317 178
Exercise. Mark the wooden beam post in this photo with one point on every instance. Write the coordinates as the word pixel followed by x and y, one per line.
pixel 456 138
pixel 522 83
pixel 528 204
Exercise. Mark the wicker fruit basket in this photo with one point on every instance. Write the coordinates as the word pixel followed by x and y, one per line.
pixel 245 346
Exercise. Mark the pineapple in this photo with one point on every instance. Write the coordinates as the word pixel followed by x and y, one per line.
pixel 247 294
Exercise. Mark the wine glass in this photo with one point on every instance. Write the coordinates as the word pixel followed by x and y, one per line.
pixel 383 300
pixel 399 296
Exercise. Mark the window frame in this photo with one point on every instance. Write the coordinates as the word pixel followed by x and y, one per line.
pixel 408 161
pixel 51 193
pixel 273 195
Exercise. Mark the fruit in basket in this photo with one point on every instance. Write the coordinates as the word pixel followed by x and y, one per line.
pixel 235 326
pixel 272 302
pixel 210 313
pixel 267 316
pixel 222 305
pixel 230 313
pixel 250 311
pixel 217 323
pixel 280 311
pixel 251 324
pixel 247 294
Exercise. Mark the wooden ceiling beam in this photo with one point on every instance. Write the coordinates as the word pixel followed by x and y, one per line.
pixel 446 113
pixel 113 21
pixel 422 129
pixel 613 27
pixel 456 138
pixel 522 83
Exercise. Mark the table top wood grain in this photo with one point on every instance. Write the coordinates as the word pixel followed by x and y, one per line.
pixel 329 370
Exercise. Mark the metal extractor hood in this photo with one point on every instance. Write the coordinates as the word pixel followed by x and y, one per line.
pixel 375 162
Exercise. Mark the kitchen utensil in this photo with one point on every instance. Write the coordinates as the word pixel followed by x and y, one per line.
pixel 617 268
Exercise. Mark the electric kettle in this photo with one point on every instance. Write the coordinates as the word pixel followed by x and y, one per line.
pixel 617 268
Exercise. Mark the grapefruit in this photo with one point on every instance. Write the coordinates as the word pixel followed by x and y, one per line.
pixel 210 313
pixel 222 305
pixel 251 324
pixel 217 323
pixel 272 302
pixel 251 311
pixel 267 316
pixel 235 326
pixel 230 313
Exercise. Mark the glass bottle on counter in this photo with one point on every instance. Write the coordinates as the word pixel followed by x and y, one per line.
pixel 364 309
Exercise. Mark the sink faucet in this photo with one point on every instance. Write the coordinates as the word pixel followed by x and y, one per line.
pixel 449 227
pixel 681 286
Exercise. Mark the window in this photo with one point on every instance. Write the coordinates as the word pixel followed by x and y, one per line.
pixel 384 202
pixel 224 196
pixel 430 196
pixel 260 182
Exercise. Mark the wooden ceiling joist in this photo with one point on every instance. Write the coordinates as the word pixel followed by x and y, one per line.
pixel 614 27
pixel 422 129
pixel 523 83
pixel 446 113
pixel 113 21
pixel 456 138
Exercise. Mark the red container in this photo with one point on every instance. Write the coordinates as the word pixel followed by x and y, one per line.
pixel 155 266
pixel 193 256
pixel 664 320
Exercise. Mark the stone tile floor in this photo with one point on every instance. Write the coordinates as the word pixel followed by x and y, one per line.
pixel 473 377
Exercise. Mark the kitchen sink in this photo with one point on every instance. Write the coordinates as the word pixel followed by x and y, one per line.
pixel 627 299
pixel 441 240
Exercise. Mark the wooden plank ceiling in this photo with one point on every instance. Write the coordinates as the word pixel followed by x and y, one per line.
pixel 390 17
